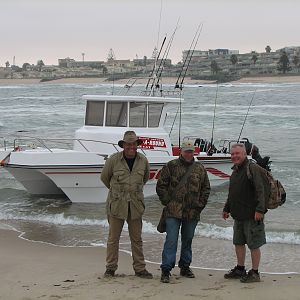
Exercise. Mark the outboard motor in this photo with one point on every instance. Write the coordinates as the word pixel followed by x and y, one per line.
pixel 253 150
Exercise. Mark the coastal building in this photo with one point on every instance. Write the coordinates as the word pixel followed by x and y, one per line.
pixel 72 63
pixel 247 64
pixel 291 50
pixel 150 61
pixel 198 56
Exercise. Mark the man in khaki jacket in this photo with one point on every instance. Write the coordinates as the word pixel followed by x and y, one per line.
pixel 124 174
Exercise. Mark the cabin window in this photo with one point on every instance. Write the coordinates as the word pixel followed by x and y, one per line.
pixel 116 114
pixel 94 113
pixel 138 114
pixel 155 110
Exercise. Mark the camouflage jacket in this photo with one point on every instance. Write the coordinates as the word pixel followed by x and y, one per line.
pixel 125 187
pixel 191 198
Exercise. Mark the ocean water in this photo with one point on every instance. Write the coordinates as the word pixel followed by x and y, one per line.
pixel 273 124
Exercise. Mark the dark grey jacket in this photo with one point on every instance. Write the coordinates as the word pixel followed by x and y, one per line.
pixel 245 196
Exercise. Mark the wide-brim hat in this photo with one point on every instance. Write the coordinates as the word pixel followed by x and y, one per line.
pixel 187 146
pixel 130 137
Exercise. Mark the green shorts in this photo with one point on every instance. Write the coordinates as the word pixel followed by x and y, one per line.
pixel 249 232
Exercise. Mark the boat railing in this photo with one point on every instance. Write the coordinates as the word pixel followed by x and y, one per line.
pixel 35 142
pixel 220 146
pixel 30 142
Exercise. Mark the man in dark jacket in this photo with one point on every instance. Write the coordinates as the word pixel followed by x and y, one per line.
pixel 183 187
pixel 246 205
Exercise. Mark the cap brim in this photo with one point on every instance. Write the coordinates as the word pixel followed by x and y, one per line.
pixel 187 149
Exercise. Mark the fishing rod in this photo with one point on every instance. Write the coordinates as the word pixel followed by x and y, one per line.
pixel 192 46
pixel 186 58
pixel 210 150
pixel 164 58
pixel 191 56
pixel 154 66
pixel 246 116
pixel 179 131
pixel 157 41
pixel 174 121
pixel 158 32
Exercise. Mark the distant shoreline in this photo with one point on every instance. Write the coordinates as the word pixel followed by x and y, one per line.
pixel 167 80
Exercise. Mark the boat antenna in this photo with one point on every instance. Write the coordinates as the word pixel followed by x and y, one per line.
pixel 159 22
pixel 186 58
pixel 246 116
pixel 210 150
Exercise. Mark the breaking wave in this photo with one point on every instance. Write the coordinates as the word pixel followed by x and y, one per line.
pixel 203 229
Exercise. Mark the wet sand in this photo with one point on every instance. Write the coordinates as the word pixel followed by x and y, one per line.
pixel 33 270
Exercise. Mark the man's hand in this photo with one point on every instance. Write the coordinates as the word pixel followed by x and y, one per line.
pixel 225 215
pixel 258 216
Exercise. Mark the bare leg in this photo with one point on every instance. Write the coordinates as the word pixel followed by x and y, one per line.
pixel 255 256
pixel 240 251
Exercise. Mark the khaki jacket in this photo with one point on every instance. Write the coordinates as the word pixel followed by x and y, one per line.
pixel 125 187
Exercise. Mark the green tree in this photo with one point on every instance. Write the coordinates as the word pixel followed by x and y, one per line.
pixel 233 59
pixel 40 64
pixel 144 60
pixel 254 58
pixel 25 66
pixel 7 64
pixel 104 70
pixel 296 62
pixel 283 64
pixel 268 49
pixel 214 67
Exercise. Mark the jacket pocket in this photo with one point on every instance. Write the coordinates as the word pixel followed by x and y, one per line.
pixel 140 176
pixel 139 202
pixel 194 183
pixel 119 175
pixel 115 203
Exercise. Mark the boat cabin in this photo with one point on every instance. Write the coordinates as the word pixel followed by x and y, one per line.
pixel 108 117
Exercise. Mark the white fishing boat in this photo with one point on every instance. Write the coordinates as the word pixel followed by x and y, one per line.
pixel 46 170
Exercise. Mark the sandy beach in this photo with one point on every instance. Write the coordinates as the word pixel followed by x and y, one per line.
pixel 33 270
pixel 167 80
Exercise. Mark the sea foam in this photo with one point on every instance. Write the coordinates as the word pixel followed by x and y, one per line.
pixel 202 230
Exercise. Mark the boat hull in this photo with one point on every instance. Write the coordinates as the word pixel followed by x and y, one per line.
pixel 83 184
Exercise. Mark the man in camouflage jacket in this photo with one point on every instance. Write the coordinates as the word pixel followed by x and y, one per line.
pixel 184 201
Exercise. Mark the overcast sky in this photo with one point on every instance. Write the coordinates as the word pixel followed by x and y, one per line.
pixel 52 29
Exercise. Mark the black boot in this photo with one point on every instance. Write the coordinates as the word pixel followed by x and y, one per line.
pixel 165 276
pixel 186 272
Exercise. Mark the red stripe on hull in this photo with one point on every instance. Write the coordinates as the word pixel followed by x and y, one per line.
pixel 218 173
